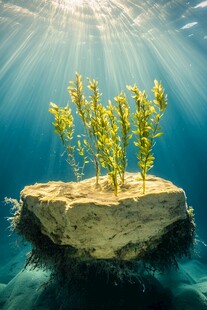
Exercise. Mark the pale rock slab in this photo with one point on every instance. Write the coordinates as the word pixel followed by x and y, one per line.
pixel 93 220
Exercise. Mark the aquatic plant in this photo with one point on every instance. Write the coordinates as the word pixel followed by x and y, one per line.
pixel 123 112
pixel 88 112
pixel 64 127
pixel 109 144
pixel 108 129
pixel 146 119
pixel 102 139
pixel 16 208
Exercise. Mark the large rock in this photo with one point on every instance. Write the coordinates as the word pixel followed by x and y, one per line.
pixel 99 225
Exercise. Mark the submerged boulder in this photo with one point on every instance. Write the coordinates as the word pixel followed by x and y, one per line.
pixel 94 224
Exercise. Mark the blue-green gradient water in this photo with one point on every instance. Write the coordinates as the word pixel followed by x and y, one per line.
pixel 44 42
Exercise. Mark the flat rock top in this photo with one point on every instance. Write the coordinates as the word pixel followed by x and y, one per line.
pixel 102 194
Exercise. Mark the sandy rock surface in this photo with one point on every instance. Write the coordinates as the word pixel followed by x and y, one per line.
pixel 93 220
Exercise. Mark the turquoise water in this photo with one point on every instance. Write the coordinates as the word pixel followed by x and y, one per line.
pixel 43 44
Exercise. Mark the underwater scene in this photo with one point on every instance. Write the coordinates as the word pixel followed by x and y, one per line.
pixel 103 152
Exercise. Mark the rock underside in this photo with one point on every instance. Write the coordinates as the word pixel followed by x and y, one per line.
pixel 99 225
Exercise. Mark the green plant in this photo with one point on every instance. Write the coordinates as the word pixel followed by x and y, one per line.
pixel 88 112
pixel 64 127
pixel 108 129
pixel 147 118
pixel 123 111
pixel 108 143
pixel 107 147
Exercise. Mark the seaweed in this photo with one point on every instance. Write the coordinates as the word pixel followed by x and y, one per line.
pixel 147 118
pixel 108 129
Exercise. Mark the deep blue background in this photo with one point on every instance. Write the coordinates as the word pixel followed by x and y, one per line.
pixel 42 44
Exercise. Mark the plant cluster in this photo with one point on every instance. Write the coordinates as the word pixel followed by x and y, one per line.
pixel 147 118
pixel 108 129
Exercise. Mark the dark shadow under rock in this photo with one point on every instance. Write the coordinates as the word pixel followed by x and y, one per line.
pixel 98 292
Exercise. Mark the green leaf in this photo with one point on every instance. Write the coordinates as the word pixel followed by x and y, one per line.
pixel 158 135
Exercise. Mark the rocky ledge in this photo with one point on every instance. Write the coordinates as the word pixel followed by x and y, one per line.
pixel 94 224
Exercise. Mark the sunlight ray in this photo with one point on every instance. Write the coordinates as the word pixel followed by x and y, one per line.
pixel 116 42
